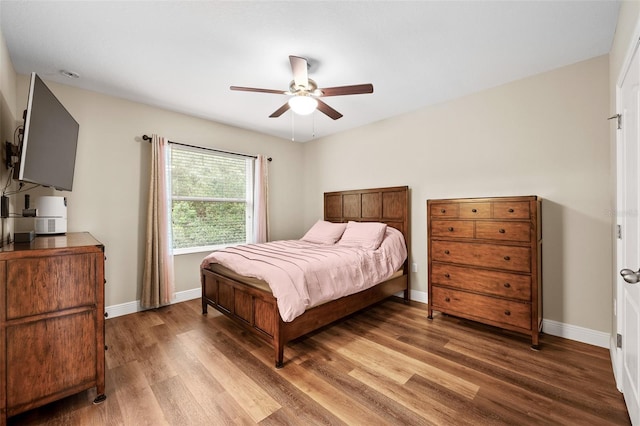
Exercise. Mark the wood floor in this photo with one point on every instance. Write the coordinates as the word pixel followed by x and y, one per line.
pixel 386 365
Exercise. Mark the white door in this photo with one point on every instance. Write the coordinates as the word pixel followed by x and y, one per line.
pixel 628 159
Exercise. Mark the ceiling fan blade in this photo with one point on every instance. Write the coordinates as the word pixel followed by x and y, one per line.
pixel 327 110
pixel 299 70
pixel 277 113
pixel 357 89
pixel 253 89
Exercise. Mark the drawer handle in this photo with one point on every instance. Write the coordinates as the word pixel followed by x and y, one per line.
pixel 502 231
pixel 474 210
pixel 507 313
pixel 507 285
pixel 443 211
pixel 451 229
pixel 446 275
pixel 507 258
pixel 446 252
pixel 446 299
pixel 511 210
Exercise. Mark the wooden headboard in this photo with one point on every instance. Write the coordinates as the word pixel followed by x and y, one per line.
pixel 386 205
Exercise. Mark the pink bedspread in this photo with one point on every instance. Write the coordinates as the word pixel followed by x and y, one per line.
pixel 303 275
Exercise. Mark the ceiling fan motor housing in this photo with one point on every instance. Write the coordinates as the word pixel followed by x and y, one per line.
pixel 310 88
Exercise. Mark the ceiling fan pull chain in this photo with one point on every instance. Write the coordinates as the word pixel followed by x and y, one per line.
pixel 293 128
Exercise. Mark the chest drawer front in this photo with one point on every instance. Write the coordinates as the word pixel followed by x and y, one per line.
pixel 47 284
pixel 503 284
pixel 475 306
pixel 504 231
pixel 511 210
pixel 444 210
pixel 475 210
pixel 488 255
pixel 452 228
pixel 46 357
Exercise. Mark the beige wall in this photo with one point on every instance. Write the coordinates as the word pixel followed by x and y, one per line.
pixel 110 184
pixel 546 135
pixel 7 81
pixel 8 123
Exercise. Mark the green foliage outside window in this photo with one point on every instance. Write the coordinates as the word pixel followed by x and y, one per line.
pixel 209 198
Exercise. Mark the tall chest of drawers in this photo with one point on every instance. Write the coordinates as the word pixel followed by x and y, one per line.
pixel 485 261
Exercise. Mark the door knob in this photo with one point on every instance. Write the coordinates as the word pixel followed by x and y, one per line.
pixel 630 276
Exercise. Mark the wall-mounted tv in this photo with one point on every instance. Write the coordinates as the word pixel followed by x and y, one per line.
pixel 50 139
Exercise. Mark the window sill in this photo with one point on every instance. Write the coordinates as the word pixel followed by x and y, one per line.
pixel 205 249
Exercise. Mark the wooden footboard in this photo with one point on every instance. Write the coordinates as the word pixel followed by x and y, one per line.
pixel 256 309
pixel 252 308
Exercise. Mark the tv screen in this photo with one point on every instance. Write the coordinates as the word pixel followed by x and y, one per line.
pixel 48 152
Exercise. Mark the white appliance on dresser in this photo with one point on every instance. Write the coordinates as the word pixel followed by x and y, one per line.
pixel 52 215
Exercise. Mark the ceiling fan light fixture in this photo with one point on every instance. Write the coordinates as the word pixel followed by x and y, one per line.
pixel 303 104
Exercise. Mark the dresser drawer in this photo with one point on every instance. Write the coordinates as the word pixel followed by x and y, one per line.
pixel 452 228
pixel 48 284
pixel 488 255
pixel 511 210
pixel 475 306
pixel 444 210
pixel 503 284
pixel 504 231
pixel 475 210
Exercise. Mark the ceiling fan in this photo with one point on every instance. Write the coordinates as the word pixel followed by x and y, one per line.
pixel 305 92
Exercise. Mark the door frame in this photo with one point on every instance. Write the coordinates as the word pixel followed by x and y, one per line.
pixel 616 353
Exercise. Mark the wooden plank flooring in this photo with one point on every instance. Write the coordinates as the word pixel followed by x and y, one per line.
pixel 385 365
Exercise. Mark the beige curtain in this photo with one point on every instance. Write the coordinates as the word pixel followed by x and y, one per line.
pixel 157 279
pixel 261 201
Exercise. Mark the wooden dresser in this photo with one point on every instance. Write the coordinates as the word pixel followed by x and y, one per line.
pixel 485 258
pixel 51 321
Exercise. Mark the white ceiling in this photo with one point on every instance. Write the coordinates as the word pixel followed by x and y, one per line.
pixel 183 56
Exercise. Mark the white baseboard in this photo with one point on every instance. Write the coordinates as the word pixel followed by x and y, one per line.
pixel 554 328
pixel 573 332
pixel 416 296
pixel 133 307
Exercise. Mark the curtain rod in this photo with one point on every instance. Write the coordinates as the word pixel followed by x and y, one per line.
pixel 148 138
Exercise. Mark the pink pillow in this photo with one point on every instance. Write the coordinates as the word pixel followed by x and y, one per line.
pixel 367 235
pixel 324 232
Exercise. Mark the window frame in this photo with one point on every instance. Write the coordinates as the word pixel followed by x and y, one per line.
pixel 248 200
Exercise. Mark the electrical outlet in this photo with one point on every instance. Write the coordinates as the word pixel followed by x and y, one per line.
pixel 414 267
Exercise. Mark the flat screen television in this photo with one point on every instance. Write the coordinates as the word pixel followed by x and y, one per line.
pixel 50 139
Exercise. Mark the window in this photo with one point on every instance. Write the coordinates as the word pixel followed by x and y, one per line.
pixel 211 199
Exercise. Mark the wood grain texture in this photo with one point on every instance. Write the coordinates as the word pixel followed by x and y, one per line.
pixel 484 255
pixel 51 321
pixel 385 365
pixel 50 283
pixel 49 365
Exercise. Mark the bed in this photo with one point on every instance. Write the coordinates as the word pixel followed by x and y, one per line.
pixel 250 302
